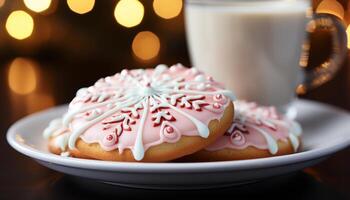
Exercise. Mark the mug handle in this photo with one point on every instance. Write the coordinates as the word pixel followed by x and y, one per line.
pixel 324 72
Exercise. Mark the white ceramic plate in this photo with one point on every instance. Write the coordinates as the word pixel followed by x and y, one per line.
pixel 326 131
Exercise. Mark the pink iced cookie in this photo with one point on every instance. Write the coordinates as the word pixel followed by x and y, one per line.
pixel 256 131
pixel 146 115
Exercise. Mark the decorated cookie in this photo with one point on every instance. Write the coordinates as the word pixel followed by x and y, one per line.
pixel 255 132
pixel 149 115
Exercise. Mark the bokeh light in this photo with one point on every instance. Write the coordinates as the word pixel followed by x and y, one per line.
pixel 146 45
pixel 37 5
pixel 19 24
pixel 2 2
pixel 301 89
pixel 348 34
pixel 167 9
pixel 129 13
pixel 81 6
pixel 22 78
pixel 332 7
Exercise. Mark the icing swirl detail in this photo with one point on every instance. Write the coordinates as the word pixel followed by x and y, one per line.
pixel 236 133
pixel 165 103
pixel 169 133
pixel 260 127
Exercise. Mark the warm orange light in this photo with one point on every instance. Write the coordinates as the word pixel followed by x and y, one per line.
pixel 309 12
pixel 331 7
pixel 22 78
pixel 167 9
pixel 348 34
pixel 2 2
pixel 37 5
pixel 19 25
pixel 81 6
pixel 146 45
pixel 129 13
pixel 301 89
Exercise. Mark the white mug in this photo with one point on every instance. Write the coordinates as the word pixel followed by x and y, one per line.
pixel 254 46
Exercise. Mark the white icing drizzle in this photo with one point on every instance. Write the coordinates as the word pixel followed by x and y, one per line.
pixel 296 128
pixel 141 93
pixel 203 129
pixel 294 141
pixel 271 142
pixel 76 133
pixel 200 78
pixel 295 132
pixel 161 68
pixel 68 117
pixel 227 93
pixel 61 141
pixel 246 111
pixel 65 154
pixel 54 125
pixel 138 150
pixel 103 97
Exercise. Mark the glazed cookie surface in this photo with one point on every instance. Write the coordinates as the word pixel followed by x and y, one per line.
pixel 149 115
pixel 256 132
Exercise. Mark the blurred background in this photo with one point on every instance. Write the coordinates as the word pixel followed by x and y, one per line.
pixel 51 48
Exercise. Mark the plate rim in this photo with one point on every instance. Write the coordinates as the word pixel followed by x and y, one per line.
pixel 181 167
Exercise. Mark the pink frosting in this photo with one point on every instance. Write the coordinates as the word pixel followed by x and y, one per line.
pixel 170 102
pixel 259 127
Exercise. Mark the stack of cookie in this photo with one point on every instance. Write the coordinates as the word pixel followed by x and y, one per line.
pixel 163 114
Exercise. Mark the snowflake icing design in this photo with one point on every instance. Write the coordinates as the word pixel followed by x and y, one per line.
pixel 120 101
pixel 261 119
